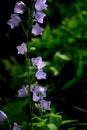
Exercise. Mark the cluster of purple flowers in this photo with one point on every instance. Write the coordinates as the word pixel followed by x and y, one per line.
pixel 39 64
pixel 39 93
pixel 14 18
pixel 39 15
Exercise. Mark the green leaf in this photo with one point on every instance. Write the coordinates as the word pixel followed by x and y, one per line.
pixel 54 70
pixel 68 121
pixel 55 119
pixel 14 110
pixel 70 83
pixel 74 22
pixel 51 126
pixel 80 70
pixel 58 55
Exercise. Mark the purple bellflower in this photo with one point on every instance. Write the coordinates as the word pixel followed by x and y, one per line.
pixel 40 74
pixel 36 29
pixel 39 92
pixel 14 21
pixel 40 5
pixel 39 15
pixel 19 7
pixel 23 92
pixel 3 116
pixel 44 105
pixel 16 126
pixel 38 62
pixel 22 48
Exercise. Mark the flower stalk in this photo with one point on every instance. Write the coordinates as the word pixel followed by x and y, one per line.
pixel 35 92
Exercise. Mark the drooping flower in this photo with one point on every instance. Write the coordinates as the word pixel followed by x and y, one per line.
pixel 16 126
pixel 39 93
pixel 40 74
pixel 19 7
pixel 22 48
pixel 39 15
pixel 38 62
pixel 3 116
pixel 40 5
pixel 23 92
pixel 44 105
pixel 36 29
pixel 14 21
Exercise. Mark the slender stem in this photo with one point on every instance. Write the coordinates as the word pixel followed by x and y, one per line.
pixel 29 82
pixel 41 115
pixel 28 37
pixel 9 125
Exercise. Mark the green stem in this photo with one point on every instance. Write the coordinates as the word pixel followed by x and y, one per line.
pixel 28 37
pixel 41 115
pixel 29 82
pixel 9 125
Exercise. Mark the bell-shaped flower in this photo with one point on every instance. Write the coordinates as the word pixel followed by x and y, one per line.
pixel 19 7
pixel 3 116
pixel 40 5
pixel 36 29
pixel 22 48
pixel 44 105
pixel 39 93
pixel 14 21
pixel 23 92
pixel 40 74
pixel 39 16
pixel 38 62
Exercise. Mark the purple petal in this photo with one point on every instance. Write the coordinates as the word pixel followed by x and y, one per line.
pixel 44 105
pixel 37 30
pixel 40 5
pixel 3 116
pixel 39 93
pixel 16 17
pixel 40 74
pixel 16 126
pixel 42 90
pixel 23 92
pixel 19 7
pixel 39 15
pixel 36 98
pixel 31 88
pixel 38 62
pixel 22 48
pixel 14 21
